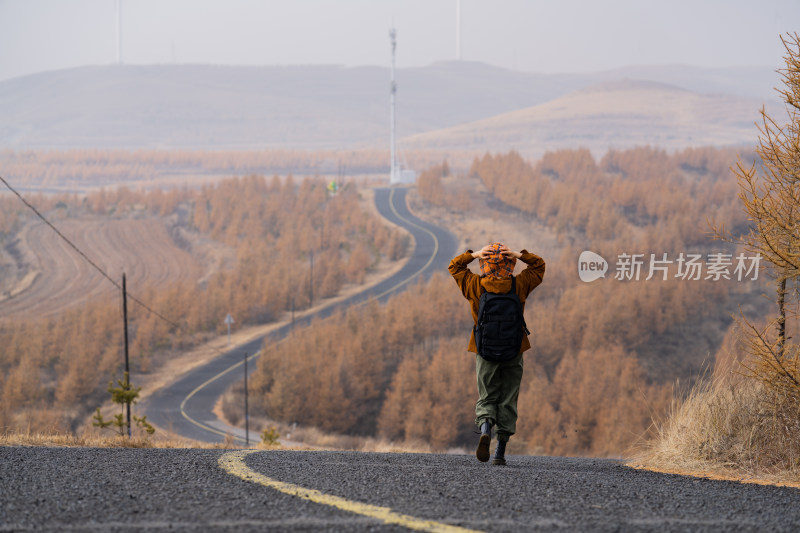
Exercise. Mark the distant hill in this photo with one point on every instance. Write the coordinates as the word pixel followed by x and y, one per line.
pixel 219 107
pixel 619 115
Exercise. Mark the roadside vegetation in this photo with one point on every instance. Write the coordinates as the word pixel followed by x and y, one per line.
pixel 51 438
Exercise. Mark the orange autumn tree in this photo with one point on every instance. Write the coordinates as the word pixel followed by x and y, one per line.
pixel 770 195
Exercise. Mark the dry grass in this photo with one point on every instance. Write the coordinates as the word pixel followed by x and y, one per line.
pixel 726 428
pixel 292 436
pixel 330 441
pixel 94 440
pixel 296 437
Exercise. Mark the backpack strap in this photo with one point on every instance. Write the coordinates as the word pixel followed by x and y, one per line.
pixel 514 291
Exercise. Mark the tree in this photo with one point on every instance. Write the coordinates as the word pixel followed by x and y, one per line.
pixel 770 194
pixel 123 394
pixel 429 184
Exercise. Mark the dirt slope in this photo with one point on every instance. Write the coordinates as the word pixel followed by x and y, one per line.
pixel 51 276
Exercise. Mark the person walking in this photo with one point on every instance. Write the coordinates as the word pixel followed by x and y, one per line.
pixel 498 380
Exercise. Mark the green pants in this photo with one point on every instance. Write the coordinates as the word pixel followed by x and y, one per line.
pixel 498 388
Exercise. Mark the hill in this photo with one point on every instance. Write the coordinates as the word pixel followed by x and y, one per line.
pixel 620 115
pixel 221 107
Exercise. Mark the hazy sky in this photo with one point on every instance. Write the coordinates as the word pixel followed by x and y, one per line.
pixel 534 35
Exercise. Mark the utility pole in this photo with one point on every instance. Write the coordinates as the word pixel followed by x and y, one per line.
pixel 127 363
pixel 311 282
pixel 246 410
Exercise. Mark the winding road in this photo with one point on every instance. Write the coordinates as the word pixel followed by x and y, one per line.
pixel 185 407
pixel 201 490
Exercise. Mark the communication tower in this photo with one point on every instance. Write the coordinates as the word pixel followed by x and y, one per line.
pixel 393 175
pixel 458 30
pixel 396 174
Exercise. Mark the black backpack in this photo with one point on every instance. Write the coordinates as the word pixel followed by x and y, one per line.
pixel 498 333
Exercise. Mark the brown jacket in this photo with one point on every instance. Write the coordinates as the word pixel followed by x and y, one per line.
pixel 471 283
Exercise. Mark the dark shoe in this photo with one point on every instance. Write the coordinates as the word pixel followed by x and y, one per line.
pixel 499 457
pixel 482 453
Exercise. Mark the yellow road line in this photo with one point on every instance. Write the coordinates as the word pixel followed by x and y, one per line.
pixel 400 284
pixel 233 463
pixel 202 386
pixel 426 230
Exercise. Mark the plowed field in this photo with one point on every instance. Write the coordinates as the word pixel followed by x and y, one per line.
pixel 53 276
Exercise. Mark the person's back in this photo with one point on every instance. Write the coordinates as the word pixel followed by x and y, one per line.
pixel 498 380
pixel 500 324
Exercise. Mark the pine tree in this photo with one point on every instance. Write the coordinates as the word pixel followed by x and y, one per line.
pixel 123 395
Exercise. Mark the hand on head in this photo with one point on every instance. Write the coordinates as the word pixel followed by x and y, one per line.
pixel 507 252
pixel 492 249
pixel 484 252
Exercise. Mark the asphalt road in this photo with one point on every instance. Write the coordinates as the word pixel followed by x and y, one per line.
pixel 91 489
pixel 185 407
